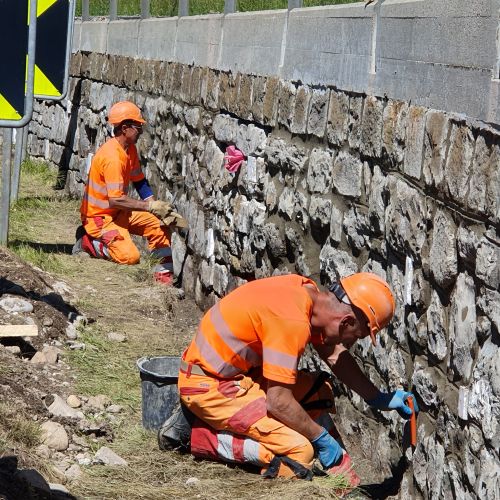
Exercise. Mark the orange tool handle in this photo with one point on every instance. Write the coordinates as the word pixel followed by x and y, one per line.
pixel 413 423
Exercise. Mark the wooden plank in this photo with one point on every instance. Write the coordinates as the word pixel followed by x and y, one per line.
pixel 18 331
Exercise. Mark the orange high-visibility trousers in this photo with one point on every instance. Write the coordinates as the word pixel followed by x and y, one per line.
pixel 240 430
pixel 114 234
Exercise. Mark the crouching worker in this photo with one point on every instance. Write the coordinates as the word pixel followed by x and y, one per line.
pixel 109 216
pixel 243 399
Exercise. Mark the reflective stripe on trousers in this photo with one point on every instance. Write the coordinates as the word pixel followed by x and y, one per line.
pixel 238 407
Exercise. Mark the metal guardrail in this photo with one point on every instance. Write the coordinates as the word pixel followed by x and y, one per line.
pixel 230 6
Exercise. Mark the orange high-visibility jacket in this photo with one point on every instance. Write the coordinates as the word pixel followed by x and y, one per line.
pixel 262 323
pixel 111 171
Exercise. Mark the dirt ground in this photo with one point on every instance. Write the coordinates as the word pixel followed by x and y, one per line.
pixel 155 321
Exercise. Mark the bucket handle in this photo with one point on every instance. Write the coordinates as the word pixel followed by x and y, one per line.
pixel 151 374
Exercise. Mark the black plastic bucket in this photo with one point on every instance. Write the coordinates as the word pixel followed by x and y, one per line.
pixel 159 378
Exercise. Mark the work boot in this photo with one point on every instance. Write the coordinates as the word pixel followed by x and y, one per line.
pixel 164 277
pixel 77 247
pixel 175 433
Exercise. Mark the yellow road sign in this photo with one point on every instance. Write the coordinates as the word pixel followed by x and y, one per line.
pixel 13 63
pixel 53 44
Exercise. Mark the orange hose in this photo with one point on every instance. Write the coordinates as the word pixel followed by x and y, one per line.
pixel 413 423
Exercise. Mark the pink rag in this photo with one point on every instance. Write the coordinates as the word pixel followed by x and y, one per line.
pixel 233 159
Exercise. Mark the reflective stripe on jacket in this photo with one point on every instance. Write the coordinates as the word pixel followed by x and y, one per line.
pixel 262 323
pixel 111 171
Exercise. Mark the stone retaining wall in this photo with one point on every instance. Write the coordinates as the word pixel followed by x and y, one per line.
pixel 335 182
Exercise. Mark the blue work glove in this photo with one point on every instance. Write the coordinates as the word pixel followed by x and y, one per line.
pixel 328 449
pixel 394 401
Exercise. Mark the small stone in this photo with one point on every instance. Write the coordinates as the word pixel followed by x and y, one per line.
pixel 73 473
pixel 59 408
pixel 39 358
pixel 51 354
pixel 191 481
pixel 77 346
pixel 43 451
pixel 107 456
pixel 71 332
pixel 99 402
pixel 47 321
pixel 58 488
pixel 114 409
pixel 13 349
pixel 54 436
pixel 73 401
pixel 80 441
pixel 116 337
pixel 16 305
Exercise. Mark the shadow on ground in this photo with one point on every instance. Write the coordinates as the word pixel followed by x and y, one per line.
pixel 27 484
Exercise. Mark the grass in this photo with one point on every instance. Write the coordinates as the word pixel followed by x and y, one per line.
pixel 39 206
pixel 17 431
pixel 169 8
pixel 103 371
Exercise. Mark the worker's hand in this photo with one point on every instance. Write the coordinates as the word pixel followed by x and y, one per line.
pixel 328 449
pixel 160 208
pixel 394 401
pixel 175 220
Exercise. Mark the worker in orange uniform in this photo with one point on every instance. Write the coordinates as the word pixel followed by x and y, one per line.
pixel 243 399
pixel 109 216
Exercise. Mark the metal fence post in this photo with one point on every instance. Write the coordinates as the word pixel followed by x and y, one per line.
pixel 113 10
pixel 16 171
pixel 26 129
pixel 183 8
pixel 85 10
pixel 229 6
pixel 6 163
pixel 145 9
pixel 294 4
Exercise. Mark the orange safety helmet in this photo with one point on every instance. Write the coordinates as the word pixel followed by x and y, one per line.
pixel 124 110
pixel 372 295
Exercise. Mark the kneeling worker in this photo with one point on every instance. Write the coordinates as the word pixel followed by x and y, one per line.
pixel 245 399
pixel 109 215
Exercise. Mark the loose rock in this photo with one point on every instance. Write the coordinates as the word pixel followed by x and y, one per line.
pixel 107 456
pixel 54 436
pixel 73 401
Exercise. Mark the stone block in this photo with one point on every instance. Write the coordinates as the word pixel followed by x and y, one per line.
pixel 435 148
pixel 185 88
pixel 74 64
pixel 318 112
pixel 301 110
pixel 244 99
pixel 414 142
pixel 271 100
pixel 462 323
pixel 320 212
pixel 250 140
pixel 346 176
pixel 377 191
pixel 338 118
pixel 395 120
pixel 443 252
pixel 458 163
pixel 336 225
pixel 484 188
pixel 356 227
pixel 286 104
pixel 488 263
pixel 210 96
pixel 371 127
pixel 437 327
pixel 354 124
pixel 258 97
pixel 406 220
pixel 335 264
pixel 319 172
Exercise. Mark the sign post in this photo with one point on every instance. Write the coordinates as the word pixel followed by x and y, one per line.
pixel 55 19
pixel 18 41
